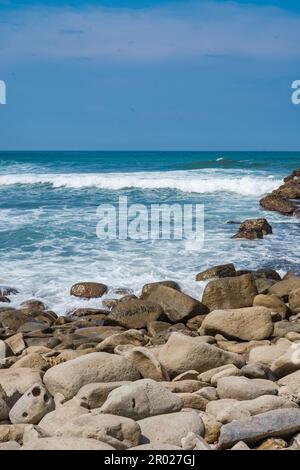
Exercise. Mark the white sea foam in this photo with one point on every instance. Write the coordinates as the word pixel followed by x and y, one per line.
pixel 186 181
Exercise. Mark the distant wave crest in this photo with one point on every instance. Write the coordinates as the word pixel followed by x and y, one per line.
pixel 185 181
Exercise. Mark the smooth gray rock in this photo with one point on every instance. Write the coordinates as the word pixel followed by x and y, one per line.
pixel 141 399
pixel 250 430
pixel 69 377
pixel 170 428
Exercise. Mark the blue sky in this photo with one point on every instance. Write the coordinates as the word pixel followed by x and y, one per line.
pixel 195 75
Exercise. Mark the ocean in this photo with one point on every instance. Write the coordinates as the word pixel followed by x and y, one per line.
pixel 48 219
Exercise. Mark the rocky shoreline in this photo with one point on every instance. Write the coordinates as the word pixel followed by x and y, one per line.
pixel 162 370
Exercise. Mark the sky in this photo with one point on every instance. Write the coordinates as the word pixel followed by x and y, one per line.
pixel 149 75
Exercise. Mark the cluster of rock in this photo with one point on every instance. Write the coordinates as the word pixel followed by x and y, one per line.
pixel 159 371
pixel 284 199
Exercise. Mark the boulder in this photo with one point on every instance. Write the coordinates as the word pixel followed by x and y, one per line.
pixel 193 442
pixel 148 288
pixel 289 190
pixel 258 371
pixel 275 423
pixel 182 353
pixel 222 270
pixel 193 400
pixel 67 443
pixel 292 381
pixel 284 288
pixel 69 377
pixel 15 382
pixel 253 229
pixel 32 361
pixel 282 328
pixel 63 412
pixel 277 203
pixel 246 324
pixel 272 302
pixel 12 319
pixel 32 406
pixel 146 363
pixel 265 355
pixel 94 395
pixel 230 292
pixel 227 410
pixel 288 362
pixel 178 306
pixel 117 431
pixel 16 343
pixel 294 300
pixel 241 388
pixel 134 337
pixel 88 290
pixel 170 428
pixel 141 399
pixel 135 313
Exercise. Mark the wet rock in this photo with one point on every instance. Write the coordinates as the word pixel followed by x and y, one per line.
pixel 141 399
pixel 4 299
pixel 252 323
pixel 33 305
pixel 170 428
pixel 182 353
pixel 275 423
pixel 6 290
pixel 277 203
pixel 117 431
pixel 241 388
pixel 32 406
pixel 253 229
pixel 135 313
pixel 88 290
pixel 222 270
pixel 148 288
pixel 230 292
pixel 69 377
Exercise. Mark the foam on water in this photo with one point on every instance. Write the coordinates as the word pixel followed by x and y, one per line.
pixel 200 182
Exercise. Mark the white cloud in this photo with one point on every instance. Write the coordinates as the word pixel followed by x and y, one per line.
pixel 158 34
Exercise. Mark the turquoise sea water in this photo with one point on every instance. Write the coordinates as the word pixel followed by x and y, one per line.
pixel 48 203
